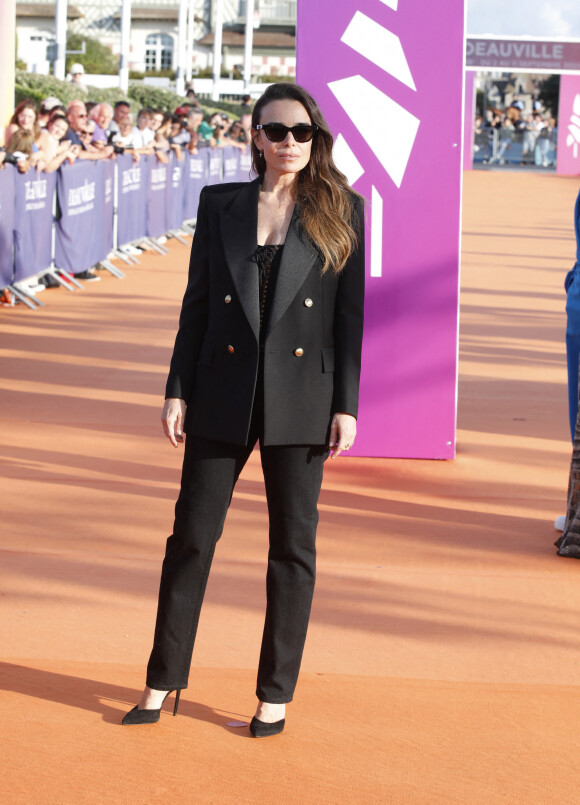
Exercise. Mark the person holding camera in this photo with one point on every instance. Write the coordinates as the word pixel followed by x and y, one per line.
pixel 20 151
pixel 124 139
pixel 143 134
pixel 128 139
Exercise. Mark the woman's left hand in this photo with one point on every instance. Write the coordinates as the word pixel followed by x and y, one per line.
pixel 342 433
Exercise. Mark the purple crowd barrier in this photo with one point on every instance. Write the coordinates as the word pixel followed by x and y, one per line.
pixel 132 181
pixel 231 163
pixel 80 231
pixel 33 202
pixel 152 198
pixel 6 225
pixel 176 193
pixel 214 167
pixel 245 166
pixel 195 179
pixel 157 198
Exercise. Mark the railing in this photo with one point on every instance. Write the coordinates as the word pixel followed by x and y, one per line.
pixel 272 11
pixel 508 147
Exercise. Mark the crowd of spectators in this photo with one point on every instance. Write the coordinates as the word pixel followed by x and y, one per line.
pixel 42 139
pixel 498 129
pixel 45 138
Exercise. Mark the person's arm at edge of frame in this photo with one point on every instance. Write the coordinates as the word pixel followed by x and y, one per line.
pixel 348 333
pixel 192 327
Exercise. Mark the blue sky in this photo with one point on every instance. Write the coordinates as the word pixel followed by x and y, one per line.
pixel 524 17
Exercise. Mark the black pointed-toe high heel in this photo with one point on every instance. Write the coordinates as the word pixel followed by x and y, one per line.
pixel 137 716
pixel 263 729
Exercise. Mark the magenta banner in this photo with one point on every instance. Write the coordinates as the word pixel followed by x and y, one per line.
pixel 541 55
pixel 568 163
pixel 389 78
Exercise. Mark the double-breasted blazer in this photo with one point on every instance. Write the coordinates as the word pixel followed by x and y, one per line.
pixel 312 342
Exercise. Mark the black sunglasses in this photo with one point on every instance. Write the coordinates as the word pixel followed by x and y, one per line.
pixel 277 133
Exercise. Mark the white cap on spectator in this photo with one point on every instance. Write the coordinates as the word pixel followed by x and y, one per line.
pixel 76 69
pixel 49 103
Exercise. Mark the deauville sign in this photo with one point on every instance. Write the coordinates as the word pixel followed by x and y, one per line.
pixel 522 54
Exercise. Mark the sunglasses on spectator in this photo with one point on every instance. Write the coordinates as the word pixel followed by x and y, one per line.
pixel 277 133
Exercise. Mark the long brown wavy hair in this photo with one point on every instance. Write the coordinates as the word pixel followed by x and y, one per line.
pixel 27 104
pixel 322 192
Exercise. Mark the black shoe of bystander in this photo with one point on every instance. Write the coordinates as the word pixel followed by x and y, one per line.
pixel 87 276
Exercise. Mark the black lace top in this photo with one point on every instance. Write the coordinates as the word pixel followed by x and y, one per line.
pixel 268 259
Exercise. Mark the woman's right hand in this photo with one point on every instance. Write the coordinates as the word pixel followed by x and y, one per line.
pixel 172 417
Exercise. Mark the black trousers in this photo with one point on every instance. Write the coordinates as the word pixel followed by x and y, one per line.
pixel 293 477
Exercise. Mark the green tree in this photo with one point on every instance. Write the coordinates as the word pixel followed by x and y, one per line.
pixel 97 58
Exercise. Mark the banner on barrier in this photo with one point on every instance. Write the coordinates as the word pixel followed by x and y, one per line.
pixel 176 193
pixel 245 166
pixel 157 198
pixel 132 185
pixel 195 175
pixel 33 200
pixel 231 163
pixel 6 224
pixel 214 167
pixel 79 242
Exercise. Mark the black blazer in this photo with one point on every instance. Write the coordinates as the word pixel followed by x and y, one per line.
pixel 312 346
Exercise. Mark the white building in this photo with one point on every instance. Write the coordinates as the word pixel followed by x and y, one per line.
pixel 35 33
pixel 154 33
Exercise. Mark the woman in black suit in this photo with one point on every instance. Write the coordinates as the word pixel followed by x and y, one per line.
pixel 268 350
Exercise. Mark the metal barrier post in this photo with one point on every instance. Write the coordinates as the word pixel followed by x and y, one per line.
pixel 27 298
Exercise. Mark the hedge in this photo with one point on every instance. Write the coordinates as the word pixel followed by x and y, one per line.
pixel 36 87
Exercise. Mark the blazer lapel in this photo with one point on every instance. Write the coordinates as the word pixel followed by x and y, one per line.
pixel 298 258
pixel 239 230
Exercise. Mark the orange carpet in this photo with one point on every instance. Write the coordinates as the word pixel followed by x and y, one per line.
pixel 442 660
